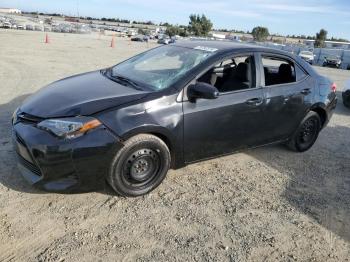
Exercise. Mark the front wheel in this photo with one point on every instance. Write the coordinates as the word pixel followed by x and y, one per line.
pixel 140 166
pixel 306 134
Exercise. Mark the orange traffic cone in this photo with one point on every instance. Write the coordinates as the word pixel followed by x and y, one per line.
pixel 112 42
pixel 47 41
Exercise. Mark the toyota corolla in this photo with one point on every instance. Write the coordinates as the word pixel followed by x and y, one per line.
pixel 165 108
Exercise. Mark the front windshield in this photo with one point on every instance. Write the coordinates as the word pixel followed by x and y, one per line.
pixel 161 67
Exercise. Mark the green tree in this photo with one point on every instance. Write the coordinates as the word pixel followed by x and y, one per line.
pixel 143 31
pixel 200 25
pixel 260 33
pixel 320 38
pixel 172 30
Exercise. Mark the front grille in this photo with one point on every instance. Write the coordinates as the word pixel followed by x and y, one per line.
pixel 20 140
pixel 21 148
pixel 32 167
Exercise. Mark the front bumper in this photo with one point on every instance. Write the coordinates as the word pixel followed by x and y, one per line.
pixel 331 64
pixel 63 165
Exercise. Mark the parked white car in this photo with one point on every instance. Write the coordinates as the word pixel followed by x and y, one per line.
pixel 6 25
pixel 308 56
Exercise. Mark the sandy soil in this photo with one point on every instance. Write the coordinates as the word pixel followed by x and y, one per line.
pixel 267 204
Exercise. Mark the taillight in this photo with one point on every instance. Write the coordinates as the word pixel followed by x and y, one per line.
pixel 334 87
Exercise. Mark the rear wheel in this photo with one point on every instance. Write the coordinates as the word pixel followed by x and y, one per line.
pixel 307 133
pixel 140 166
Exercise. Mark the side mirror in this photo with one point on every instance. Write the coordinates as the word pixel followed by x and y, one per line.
pixel 202 90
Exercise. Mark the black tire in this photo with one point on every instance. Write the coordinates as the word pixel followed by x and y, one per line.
pixel 306 134
pixel 140 166
pixel 346 98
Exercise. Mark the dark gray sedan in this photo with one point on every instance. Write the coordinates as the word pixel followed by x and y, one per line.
pixel 165 108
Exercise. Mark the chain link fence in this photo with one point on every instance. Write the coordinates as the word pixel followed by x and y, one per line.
pixel 320 53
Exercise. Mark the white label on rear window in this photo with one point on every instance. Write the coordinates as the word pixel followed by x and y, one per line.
pixel 205 48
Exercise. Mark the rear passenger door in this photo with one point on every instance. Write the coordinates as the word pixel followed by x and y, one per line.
pixel 288 92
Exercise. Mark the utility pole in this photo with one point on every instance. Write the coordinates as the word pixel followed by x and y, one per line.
pixel 78 8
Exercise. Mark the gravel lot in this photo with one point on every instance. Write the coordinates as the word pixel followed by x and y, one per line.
pixel 267 204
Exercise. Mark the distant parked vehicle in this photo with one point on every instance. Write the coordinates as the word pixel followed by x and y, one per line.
pixel 139 38
pixel 332 61
pixel 56 29
pixel 29 27
pixel 131 33
pixel 66 29
pixel 38 28
pixel 346 94
pixel 47 29
pixel 21 27
pixel 166 41
pixel 83 29
pixel 308 56
pixel 6 25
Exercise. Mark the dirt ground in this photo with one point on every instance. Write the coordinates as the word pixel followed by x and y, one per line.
pixel 267 204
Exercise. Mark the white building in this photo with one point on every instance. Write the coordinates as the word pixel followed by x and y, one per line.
pixel 10 10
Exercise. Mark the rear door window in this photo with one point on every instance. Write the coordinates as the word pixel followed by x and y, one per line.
pixel 278 71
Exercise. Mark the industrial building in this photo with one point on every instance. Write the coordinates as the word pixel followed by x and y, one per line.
pixel 10 10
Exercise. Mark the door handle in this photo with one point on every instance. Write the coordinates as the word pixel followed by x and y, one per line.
pixel 305 91
pixel 254 101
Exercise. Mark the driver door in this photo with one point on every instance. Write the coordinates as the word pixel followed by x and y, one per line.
pixel 230 122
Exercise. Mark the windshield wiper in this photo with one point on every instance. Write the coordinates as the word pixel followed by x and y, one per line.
pixel 127 80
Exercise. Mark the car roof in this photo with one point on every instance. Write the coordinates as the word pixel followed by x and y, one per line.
pixel 226 46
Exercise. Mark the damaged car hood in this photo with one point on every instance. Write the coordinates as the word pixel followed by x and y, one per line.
pixel 83 94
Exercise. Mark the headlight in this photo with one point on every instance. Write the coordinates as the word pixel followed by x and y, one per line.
pixel 71 127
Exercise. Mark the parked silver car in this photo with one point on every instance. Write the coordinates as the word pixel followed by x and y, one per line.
pixel 308 56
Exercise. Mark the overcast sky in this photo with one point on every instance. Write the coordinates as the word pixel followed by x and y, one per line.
pixel 283 16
